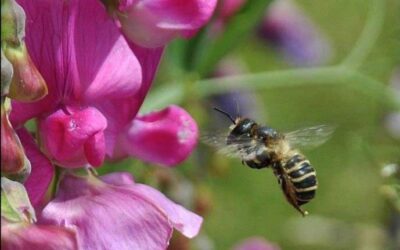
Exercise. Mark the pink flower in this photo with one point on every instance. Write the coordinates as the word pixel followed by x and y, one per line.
pixel 156 136
pixel 255 243
pixel 95 88
pixel 114 212
pixel 154 23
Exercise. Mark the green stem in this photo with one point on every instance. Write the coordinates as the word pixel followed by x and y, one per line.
pixel 55 182
pixel 369 35
pixel 323 76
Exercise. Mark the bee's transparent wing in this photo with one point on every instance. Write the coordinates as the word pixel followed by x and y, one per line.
pixel 310 137
pixel 242 147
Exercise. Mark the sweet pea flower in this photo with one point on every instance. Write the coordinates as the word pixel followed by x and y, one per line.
pixel 288 28
pixel 95 88
pixel 135 216
pixel 156 136
pixel 154 23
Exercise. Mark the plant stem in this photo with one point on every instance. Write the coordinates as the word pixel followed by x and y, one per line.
pixel 323 76
pixel 369 35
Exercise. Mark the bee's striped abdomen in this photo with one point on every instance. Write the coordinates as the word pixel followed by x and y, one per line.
pixel 303 177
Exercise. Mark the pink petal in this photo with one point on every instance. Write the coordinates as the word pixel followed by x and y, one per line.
pixel 165 137
pixel 186 222
pixel 128 107
pixel 256 243
pixel 118 179
pixel 153 23
pixel 42 173
pixel 75 137
pixel 78 53
pixel 37 237
pixel 107 217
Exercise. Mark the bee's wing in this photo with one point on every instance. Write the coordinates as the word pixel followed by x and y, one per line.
pixel 310 137
pixel 243 147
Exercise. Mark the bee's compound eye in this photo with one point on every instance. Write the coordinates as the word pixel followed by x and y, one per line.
pixel 243 127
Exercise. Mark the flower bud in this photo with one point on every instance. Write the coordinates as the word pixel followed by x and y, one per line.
pixel 6 74
pixel 16 206
pixel 14 163
pixel 13 22
pixel 27 83
pixel 152 24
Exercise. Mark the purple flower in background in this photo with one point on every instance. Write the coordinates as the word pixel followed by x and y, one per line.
pixel 114 212
pixel 256 243
pixel 294 34
pixel 235 102
pixel 95 88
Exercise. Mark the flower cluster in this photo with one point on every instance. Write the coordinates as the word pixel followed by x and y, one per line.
pixel 81 71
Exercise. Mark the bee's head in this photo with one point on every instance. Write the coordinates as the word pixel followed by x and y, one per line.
pixel 242 126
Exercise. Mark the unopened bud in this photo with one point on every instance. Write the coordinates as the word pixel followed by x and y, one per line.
pixel 14 164
pixel 6 74
pixel 15 204
pixel 12 23
pixel 27 83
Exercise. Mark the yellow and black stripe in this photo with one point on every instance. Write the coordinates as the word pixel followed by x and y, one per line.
pixel 303 177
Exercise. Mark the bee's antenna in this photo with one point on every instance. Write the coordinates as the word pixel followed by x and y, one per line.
pixel 225 113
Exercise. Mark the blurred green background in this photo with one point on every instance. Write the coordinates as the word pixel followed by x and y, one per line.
pixel 352 209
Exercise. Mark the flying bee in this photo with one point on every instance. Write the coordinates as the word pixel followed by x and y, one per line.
pixel 263 147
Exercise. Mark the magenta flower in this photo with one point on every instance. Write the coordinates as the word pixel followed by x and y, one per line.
pixel 154 23
pixel 114 212
pixel 95 88
pixel 156 136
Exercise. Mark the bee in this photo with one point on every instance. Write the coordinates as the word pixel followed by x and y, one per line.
pixel 263 147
